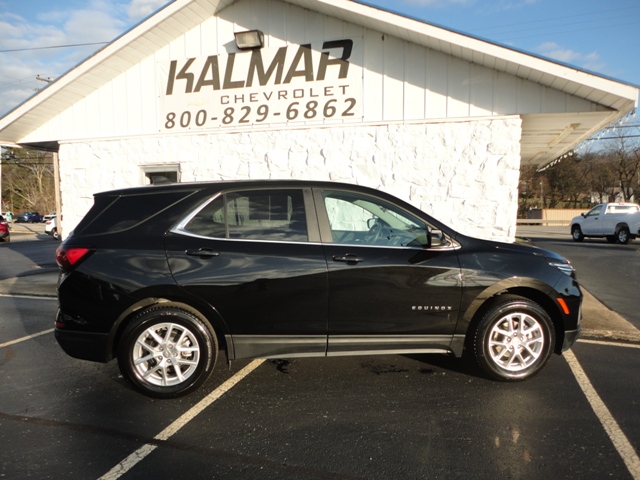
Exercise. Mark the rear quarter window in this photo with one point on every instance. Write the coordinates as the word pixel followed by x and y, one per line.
pixel 111 214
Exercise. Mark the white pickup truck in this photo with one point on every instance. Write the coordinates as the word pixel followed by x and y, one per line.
pixel 617 222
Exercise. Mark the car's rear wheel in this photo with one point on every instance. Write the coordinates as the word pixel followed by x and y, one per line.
pixel 514 339
pixel 167 352
pixel 623 235
pixel 576 233
pixel 54 234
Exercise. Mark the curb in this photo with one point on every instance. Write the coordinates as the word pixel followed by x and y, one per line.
pixel 23 229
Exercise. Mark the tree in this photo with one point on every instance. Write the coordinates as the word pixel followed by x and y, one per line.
pixel 600 177
pixel 608 171
pixel 27 180
pixel 567 181
pixel 623 152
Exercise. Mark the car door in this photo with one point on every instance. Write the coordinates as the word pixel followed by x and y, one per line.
pixel 592 224
pixel 251 255
pixel 394 282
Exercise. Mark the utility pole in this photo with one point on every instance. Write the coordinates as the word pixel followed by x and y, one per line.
pixel 43 79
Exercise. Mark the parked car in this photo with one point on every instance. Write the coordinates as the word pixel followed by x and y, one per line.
pixel 617 222
pixel 49 217
pixel 28 217
pixel 5 234
pixel 51 228
pixel 163 277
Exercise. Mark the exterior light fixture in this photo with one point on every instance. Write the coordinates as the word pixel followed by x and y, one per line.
pixel 249 40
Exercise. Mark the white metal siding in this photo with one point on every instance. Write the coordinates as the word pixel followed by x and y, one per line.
pixel 401 80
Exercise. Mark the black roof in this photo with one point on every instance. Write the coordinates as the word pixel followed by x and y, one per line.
pixel 220 185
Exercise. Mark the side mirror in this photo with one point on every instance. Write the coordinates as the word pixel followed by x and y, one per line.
pixel 436 238
pixel 583 215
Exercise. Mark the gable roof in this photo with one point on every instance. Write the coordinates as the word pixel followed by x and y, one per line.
pixel 546 135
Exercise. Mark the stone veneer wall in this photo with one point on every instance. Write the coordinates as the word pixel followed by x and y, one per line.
pixel 463 173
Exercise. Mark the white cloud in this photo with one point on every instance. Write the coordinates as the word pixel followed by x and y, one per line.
pixel 589 61
pixel 555 51
pixel 500 5
pixel 506 5
pixel 437 3
pixel 86 26
pixel 96 21
pixel 140 9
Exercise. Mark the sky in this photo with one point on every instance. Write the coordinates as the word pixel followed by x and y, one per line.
pixel 43 37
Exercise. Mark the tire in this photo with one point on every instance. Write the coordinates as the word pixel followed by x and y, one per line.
pixel 156 339
pixel 611 238
pixel 500 347
pixel 576 233
pixel 623 236
pixel 54 234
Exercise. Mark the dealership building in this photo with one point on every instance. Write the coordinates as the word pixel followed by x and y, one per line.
pixel 314 89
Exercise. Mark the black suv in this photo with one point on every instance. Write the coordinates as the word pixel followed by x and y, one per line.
pixel 163 277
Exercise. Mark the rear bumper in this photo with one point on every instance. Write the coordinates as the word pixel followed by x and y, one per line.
pixel 84 345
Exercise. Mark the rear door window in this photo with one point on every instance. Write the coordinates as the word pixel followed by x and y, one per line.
pixel 274 215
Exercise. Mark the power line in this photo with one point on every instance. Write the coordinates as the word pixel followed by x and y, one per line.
pixel 564 32
pixel 575 26
pixel 551 19
pixel 53 46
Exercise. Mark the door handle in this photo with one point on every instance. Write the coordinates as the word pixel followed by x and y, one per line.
pixel 348 258
pixel 202 253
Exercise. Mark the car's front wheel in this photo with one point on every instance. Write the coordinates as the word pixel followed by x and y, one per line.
pixel 167 352
pixel 514 338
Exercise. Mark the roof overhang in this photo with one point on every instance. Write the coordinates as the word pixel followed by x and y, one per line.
pixel 545 136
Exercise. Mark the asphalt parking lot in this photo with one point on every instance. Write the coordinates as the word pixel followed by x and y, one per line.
pixel 395 416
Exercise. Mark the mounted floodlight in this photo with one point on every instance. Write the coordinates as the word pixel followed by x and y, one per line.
pixel 249 40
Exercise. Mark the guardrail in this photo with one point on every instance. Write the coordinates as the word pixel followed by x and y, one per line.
pixel 544 222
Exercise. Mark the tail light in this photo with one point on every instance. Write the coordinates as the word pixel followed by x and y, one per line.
pixel 70 257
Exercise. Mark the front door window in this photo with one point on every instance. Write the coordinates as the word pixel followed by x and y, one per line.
pixel 360 220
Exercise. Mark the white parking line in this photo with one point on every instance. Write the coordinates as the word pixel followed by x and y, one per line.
pixel 128 463
pixel 611 344
pixel 24 339
pixel 28 297
pixel 617 436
